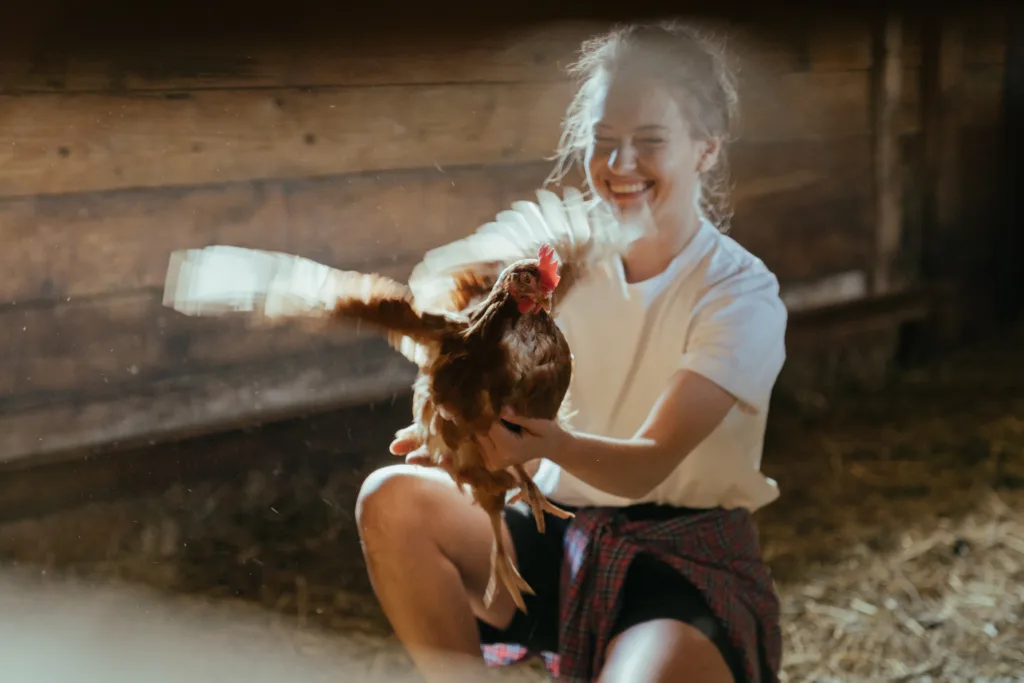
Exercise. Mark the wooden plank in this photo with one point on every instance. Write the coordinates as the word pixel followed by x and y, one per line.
pixel 910 99
pixel 982 92
pixel 804 105
pixel 887 76
pixel 78 143
pixel 338 55
pixel 810 217
pixel 820 328
pixel 70 246
pixel 839 45
pixel 1009 277
pixel 35 486
pixel 942 95
pixel 197 404
pixel 119 341
pixel 64 247
pixel 70 53
pixel 986 35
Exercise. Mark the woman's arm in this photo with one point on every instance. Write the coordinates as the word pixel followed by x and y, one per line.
pixel 689 410
pixel 733 358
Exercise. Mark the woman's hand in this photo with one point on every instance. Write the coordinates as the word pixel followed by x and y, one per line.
pixel 536 439
pixel 405 444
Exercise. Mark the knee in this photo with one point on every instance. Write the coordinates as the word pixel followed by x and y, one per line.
pixel 392 504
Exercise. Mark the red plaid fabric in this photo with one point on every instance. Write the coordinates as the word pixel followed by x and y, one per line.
pixel 717 550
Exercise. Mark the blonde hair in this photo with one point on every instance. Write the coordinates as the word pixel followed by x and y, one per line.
pixel 685 61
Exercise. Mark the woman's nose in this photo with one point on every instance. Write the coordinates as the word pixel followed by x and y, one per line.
pixel 622 159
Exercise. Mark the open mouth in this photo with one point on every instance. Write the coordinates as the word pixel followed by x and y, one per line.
pixel 629 191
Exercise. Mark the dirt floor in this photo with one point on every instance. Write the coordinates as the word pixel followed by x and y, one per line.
pixel 898 546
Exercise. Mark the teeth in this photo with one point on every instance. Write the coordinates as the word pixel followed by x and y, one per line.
pixel 628 189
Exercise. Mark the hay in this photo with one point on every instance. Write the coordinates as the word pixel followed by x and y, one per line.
pixel 898 544
pixel 947 604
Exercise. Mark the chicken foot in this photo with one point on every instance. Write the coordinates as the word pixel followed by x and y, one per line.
pixel 538 502
pixel 504 569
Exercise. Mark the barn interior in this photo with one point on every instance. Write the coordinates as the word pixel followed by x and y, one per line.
pixel 180 507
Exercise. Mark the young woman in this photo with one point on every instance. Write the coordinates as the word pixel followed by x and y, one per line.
pixel 677 346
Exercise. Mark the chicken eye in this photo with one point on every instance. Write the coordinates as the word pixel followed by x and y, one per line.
pixel 527 279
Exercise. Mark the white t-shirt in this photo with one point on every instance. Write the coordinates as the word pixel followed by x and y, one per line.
pixel 716 311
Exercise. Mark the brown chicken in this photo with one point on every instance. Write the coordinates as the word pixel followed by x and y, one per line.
pixel 476 318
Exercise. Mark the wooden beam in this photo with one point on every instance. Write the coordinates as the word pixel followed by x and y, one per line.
pixel 55 144
pixel 68 143
pixel 819 328
pixel 1009 282
pixel 200 403
pixel 887 75
pixel 942 67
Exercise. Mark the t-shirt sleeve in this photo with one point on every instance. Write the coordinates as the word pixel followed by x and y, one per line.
pixel 737 340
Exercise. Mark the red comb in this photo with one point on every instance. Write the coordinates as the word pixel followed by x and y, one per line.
pixel 548 267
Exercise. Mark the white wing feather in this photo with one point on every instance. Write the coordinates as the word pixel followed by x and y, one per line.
pixel 578 234
pixel 221 279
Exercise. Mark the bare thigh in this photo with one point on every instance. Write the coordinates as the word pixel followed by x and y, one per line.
pixel 664 651
pixel 411 516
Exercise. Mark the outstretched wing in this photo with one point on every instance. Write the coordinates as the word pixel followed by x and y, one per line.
pixel 270 286
pixel 266 285
pixel 463 271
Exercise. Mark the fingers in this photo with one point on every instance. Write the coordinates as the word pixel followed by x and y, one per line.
pixel 405 440
pixel 401 446
pixel 528 425
pixel 419 456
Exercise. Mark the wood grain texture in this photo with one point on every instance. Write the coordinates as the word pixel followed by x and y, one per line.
pixel 60 143
pixel 845 44
pixel 985 35
pixel 78 143
pixel 839 45
pixel 85 53
pixel 330 56
pixel 200 403
pixel 66 247
pixel 887 77
pixel 109 343
pixel 804 105
pixel 812 219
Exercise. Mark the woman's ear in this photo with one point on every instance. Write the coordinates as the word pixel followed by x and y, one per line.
pixel 709 154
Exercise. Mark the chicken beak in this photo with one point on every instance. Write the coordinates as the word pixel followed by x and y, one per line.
pixel 545 304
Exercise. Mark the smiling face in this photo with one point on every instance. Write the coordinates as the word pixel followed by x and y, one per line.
pixel 642 150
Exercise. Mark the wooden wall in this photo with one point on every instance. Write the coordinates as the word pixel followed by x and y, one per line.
pixel 120 142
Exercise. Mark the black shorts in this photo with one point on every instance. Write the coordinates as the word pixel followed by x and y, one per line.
pixel 653 590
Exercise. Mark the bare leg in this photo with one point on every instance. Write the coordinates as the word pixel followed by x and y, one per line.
pixel 428 553
pixel 661 651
